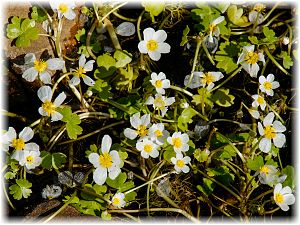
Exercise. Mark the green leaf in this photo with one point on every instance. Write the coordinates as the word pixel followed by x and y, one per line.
pixel 270 35
pixel 228 152
pixel 290 180
pixel 130 196
pixel 253 40
pixel 225 56
pixel 100 189
pixel 169 153
pixel 72 120
pixel 80 36
pixel 9 175
pixel 153 8
pixel 222 174
pixel 222 97
pixel 201 156
pixel 107 66
pixel 256 163
pixel 58 159
pixel 185 118
pixel 184 36
pixel 38 14
pixel 126 186
pixel 207 187
pixel 235 16
pixel 287 60
pixel 205 14
pixel 203 96
pixel 105 215
pixel 127 76
pixel 122 57
pixel 21 189
pixel 118 182
pixel 102 89
pixel 22 30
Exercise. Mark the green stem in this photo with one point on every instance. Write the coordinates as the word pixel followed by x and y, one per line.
pixel 164 21
pixel 6 195
pixel 59 80
pixel 279 117
pixel 261 195
pixel 228 79
pixel 10 114
pixel 88 39
pixel 270 12
pixel 124 18
pixel 272 211
pixel 181 90
pixel 138 25
pixel 208 54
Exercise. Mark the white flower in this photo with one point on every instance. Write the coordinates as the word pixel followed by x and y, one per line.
pixel 283 197
pixel 50 108
pixel 81 72
pixel 140 124
pixel 254 113
pixel 153 43
pixel 201 79
pixel 180 163
pixel 179 142
pixel 64 9
pixel 106 162
pixel 158 133
pixel 147 148
pixel 214 29
pixel 271 131
pixel 160 102
pixel 30 159
pixel 19 143
pixel 267 174
pixel 41 68
pixel 52 191
pixel 160 82
pixel 259 101
pixel 249 60
pixel 285 41
pixel 268 84
pixel 256 17
pixel 184 104
pixel 118 200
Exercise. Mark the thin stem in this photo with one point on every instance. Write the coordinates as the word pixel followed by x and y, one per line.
pixel 88 39
pixel 262 195
pixel 10 114
pixel 181 90
pixel 270 12
pixel 123 17
pixel 207 53
pixel 272 211
pixel 228 79
pixel 59 80
pixel 138 25
pixel 6 195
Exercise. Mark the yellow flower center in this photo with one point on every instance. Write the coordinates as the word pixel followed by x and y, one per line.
pixel 260 100
pixel 152 45
pixel 158 84
pixel 270 132
pixel 142 130
pixel 63 8
pixel 212 27
pixel 208 78
pixel 18 144
pixel 265 170
pixel 40 65
pixel 49 107
pixel 116 201
pixel 259 7
pixel 159 103
pixel 177 143
pixel 268 85
pixel 180 163
pixel 158 133
pixel 105 160
pixel 279 198
pixel 251 57
pixel 148 148
pixel 80 72
pixel 29 159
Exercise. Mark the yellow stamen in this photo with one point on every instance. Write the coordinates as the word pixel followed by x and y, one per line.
pixel 18 144
pixel 152 45
pixel 158 84
pixel 142 131
pixel 265 170
pixel 148 148
pixel 63 8
pixel 180 163
pixel 212 27
pixel 105 160
pixel 177 143
pixel 279 198
pixel 116 201
pixel 259 7
pixel 40 65
pixel 260 100
pixel 159 103
pixel 268 85
pixel 80 72
pixel 251 58
pixel 158 133
pixel 270 132
pixel 207 79
pixel 29 159
pixel 49 107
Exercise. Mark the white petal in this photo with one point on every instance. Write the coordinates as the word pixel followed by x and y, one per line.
pixel 148 33
pixel 9 135
pixel 185 169
pixel 185 147
pixel 260 129
pixel 261 58
pixel 284 207
pixel 173 160
pixel 161 76
pixel 275 84
pixel 94 159
pixel 289 199
pixel 54 5
pixel 106 143
pixel 286 190
pixel 55 64
pixel 56 116
pixel 170 101
pixel 31 147
pixel 268 120
pixel 210 86
pixel 218 20
pixel 145 119
pixel 249 48
pixel 43 112
pixel 144 154
pixel 59 99
pixel 278 126
pixel 270 77
pixel 270 92
pixel 30 74
pixel 154 55
pixel 26 134
pixel 265 145
pixel 113 172
pixel 29 58
pixel 142 46
pixel 149 101
pixel 130 133
pixel 89 65
pixel 88 81
pixel 163 48
pixel 115 157
pixel 277 188
pixel 82 60
pixel 45 93
pixel 254 70
pixel 75 81
pixel 135 120
pixel 70 14
pixel 279 140
pixel 262 79
pixel 166 83
pixel 45 77
pixel 217 75
pixel 186 160
pixel 241 58
pixel 160 36
pixel 247 67
pixel 100 175
pixel 154 153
